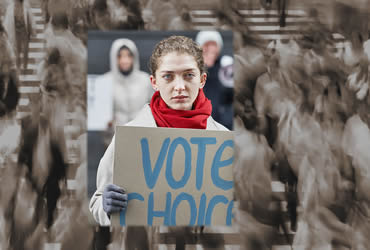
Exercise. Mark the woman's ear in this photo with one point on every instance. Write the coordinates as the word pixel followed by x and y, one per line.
pixel 153 82
pixel 203 79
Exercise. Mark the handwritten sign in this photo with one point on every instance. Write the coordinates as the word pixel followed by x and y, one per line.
pixel 174 176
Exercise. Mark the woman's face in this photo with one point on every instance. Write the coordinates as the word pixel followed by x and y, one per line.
pixel 125 60
pixel 178 80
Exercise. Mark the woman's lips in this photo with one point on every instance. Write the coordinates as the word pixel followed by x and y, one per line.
pixel 179 98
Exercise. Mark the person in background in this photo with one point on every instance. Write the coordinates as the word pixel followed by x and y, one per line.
pixel 131 88
pixel 219 88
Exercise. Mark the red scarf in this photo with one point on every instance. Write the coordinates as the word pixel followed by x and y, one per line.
pixel 171 118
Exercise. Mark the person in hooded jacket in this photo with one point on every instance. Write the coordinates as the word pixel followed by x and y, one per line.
pixel 131 87
pixel 178 75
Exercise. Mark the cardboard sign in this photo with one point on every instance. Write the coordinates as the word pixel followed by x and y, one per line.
pixel 174 176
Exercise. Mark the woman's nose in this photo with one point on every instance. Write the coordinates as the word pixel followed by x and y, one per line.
pixel 179 84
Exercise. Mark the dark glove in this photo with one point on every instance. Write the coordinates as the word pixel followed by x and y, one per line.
pixel 114 199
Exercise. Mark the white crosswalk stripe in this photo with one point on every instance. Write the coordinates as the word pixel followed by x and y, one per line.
pixel 272 12
pixel 277 186
pixel 35 10
pixel 23 89
pixel 36 45
pixel 273 28
pixel 52 246
pixel 32 66
pixel 205 27
pixel 38 18
pixel 36 55
pixel 32 77
pixel 40 26
pixel 40 36
pixel 20 114
pixel 24 101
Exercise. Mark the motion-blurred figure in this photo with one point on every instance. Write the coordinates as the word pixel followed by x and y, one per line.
pixel 20 26
pixel 177 16
pixel 40 177
pixel 9 97
pixel 74 54
pixel 79 19
pixel 114 14
pixel 132 9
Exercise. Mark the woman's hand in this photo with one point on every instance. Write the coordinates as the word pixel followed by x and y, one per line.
pixel 114 199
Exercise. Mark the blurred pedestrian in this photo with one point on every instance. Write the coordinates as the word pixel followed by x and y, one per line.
pixel 177 15
pixel 20 26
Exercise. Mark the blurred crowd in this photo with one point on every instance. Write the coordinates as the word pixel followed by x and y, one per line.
pixel 302 120
pixel 121 15
pixel 35 160
pixel 37 204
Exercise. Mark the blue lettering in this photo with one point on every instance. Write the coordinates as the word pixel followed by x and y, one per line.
pixel 202 209
pixel 217 163
pixel 193 208
pixel 165 213
pixel 202 142
pixel 212 203
pixel 130 196
pixel 169 175
pixel 151 176
pixel 229 214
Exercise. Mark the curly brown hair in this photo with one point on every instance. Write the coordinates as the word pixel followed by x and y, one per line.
pixel 179 44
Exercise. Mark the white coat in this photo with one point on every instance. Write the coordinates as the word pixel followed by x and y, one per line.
pixel 105 170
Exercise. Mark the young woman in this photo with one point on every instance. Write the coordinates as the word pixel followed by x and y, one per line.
pixel 178 76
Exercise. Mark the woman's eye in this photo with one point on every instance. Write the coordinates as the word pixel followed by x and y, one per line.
pixel 167 77
pixel 189 75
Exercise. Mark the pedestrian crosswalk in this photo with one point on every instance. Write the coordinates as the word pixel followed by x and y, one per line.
pixel 264 24
pixel 29 80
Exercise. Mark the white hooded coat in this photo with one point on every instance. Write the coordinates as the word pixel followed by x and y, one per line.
pixel 130 92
